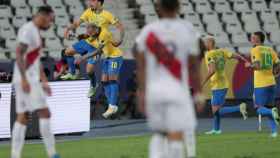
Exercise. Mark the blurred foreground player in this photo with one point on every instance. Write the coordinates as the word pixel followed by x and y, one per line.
pixel 163 50
pixel 264 63
pixel 30 92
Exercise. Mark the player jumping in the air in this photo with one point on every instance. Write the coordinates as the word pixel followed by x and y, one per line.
pixel 111 64
pixel 215 60
pixel 30 92
pixel 163 50
pixel 102 18
pixel 264 61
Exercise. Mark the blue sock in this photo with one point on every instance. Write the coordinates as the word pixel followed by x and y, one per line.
pixel 71 64
pixel 229 109
pixel 106 87
pixel 114 89
pixel 264 111
pixel 217 121
pixel 92 79
pixel 272 125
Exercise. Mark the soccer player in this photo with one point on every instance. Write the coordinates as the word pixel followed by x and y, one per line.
pixel 264 61
pixel 215 60
pixel 95 14
pixel 163 50
pixel 30 92
pixel 111 64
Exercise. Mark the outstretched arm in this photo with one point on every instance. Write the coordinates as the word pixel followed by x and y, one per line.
pixel 71 27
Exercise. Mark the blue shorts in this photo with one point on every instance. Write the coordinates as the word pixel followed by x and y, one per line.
pixel 264 96
pixel 218 97
pixel 82 47
pixel 112 66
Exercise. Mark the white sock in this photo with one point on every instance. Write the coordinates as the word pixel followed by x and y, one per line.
pixel 157 146
pixel 18 138
pixel 48 137
pixel 190 141
pixel 175 149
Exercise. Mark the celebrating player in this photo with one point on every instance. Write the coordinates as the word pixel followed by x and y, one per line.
pixel 215 60
pixel 264 61
pixel 95 14
pixel 162 51
pixel 111 64
pixel 30 92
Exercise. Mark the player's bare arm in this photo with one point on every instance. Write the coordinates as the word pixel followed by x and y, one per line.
pixel 141 77
pixel 211 71
pixel 44 80
pixel 255 65
pixel 21 50
pixel 121 29
pixel 72 26
pixel 238 56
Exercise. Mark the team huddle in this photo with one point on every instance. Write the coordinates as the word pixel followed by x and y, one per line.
pixel 163 55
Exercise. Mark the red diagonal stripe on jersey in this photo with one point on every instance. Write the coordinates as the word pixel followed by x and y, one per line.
pixel 164 56
pixel 32 56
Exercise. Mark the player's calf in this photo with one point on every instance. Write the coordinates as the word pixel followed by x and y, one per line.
pixel 175 144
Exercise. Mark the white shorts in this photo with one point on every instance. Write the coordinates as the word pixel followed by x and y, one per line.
pixel 32 101
pixel 170 116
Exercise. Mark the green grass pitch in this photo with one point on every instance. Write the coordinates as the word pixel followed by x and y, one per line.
pixel 227 145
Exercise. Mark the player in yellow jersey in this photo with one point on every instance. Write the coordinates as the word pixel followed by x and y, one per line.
pixel 264 62
pixel 111 64
pixel 102 18
pixel 215 60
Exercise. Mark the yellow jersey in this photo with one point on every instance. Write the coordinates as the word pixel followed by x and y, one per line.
pixel 103 19
pixel 267 57
pixel 219 58
pixel 106 38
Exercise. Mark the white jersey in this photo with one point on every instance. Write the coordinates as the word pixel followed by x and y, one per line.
pixel 167 44
pixel 29 34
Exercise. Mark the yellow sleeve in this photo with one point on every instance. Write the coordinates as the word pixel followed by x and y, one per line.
pixel 111 18
pixel 275 58
pixel 228 54
pixel 255 55
pixel 85 15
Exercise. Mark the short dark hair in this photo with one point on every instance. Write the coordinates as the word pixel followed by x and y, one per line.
pixel 261 35
pixel 101 1
pixel 45 10
pixel 170 5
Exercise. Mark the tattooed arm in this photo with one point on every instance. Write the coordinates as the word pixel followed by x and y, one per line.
pixel 21 50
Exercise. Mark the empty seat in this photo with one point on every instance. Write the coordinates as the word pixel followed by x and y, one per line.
pixel 147 9
pixel 240 38
pixel 271 26
pixel 211 17
pixel 49 33
pixel 59 10
pixel 244 50
pixel 186 8
pixel 275 37
pixel 234 27
pixel 203 7
pixel 18 3
pixel 72 2
pixel 192 17
pixel 275 5
pixel 5 11
pixel 36 3
pixel 199 27
pixel 249 16
pixel 69 42
pixel 53 43
pixel 268 15
pixel 7 32
pixel 259 5
pixel 60 30
pixel 222 38
pixel 11 43
pixel 4 22
pixel 18 21
pixel 222 6
pixel 23 11
pixel 62 19
pixel 228 17
pixel 251 26
pixel 214 28
pixel 54 2
pixel 149 19
pixel 240 6
pixel 76 10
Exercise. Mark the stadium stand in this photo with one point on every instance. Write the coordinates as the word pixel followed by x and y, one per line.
pixel 231 21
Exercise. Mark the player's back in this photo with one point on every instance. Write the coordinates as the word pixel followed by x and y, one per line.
pixel 167 44
pixel 267 58
pixel 29 35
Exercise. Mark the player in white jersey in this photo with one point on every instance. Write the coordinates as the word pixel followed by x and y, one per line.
pixel 30 92
pixel 163 51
